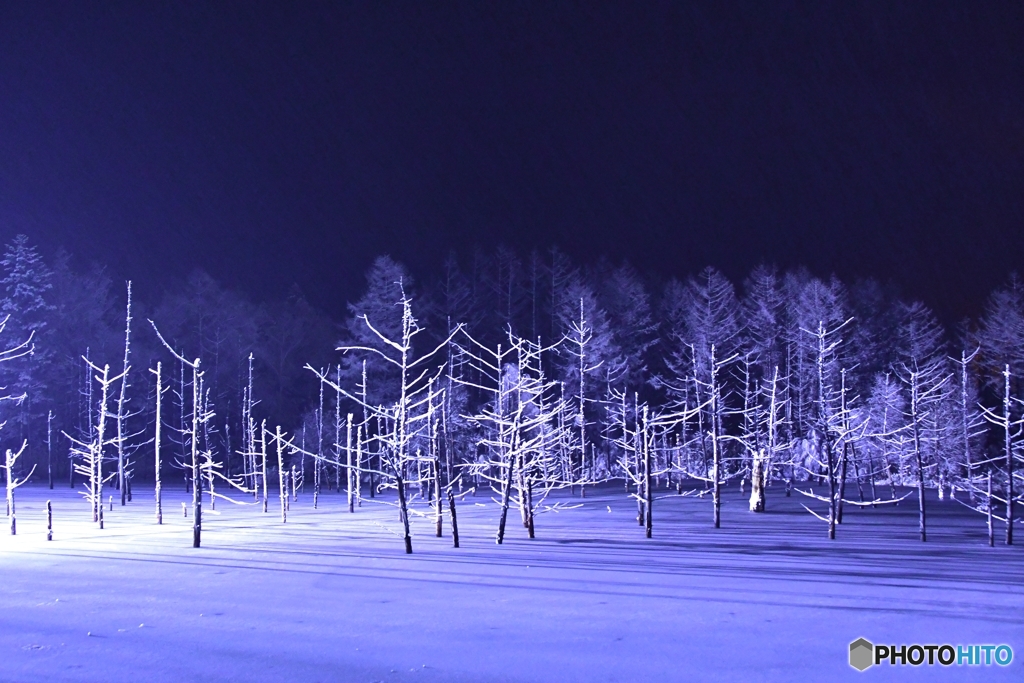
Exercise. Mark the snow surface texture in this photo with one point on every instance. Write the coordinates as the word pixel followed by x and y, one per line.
pixel 331 596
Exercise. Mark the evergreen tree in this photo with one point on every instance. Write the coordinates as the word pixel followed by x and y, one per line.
pixel 762 310
pixel 813 303
pixel 26 282
pixel 388 283
pixel 1001 335
pixel 631 320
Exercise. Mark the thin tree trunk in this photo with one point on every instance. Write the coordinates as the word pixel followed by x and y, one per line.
pixel 100 436
pixel 832 507
pixel 715 447
pixel 49 449
pixel 991 526
pixel 348 466
pixel 964 426
pixel 8 466
pixel 529 507
pixel 281 475
pixel 263 455
pixel 404 511
pixel 197 498
pixel 506 494
pixel 716 490
pixel 918 458
pixel 842 484
pixel 121 484
pixel 1008 446
pixel 295 487
pixel 358 473
pixel 648 493
pixel 156 451
pixel 455 520
pixel 438 517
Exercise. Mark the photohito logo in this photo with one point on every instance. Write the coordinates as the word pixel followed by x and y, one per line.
pixel 864 654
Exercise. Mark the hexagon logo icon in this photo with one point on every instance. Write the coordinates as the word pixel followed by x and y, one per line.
pixel 862 654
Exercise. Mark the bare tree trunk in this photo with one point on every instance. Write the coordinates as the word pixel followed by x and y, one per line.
pixel 964 419
pixel 49 448
pixel 757 483
pixel 455 520
pixel 197 498
pixel 640 503
pixel 529 506
pixel 917 456
pixel 263 455
pixel 506 494
pixel 358 473
pixel 715 446
pixel 991 526
pixel 404 511
pixel 156 450
pixel 842 484
pixel 100 436
pixel 8 467
pixel 437 496
pixel 830 464
pixel 281 475
pixel 295 490
pixel 348 466
pixel 1008 449
pixel 121 483
pixel 648 493
pixel 716 492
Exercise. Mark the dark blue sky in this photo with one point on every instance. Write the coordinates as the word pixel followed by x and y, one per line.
pixel 271 145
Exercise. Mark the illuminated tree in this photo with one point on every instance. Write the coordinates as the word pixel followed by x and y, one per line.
pixel 521 427
pixel 923 370
pixel 26 282
pixel 406 417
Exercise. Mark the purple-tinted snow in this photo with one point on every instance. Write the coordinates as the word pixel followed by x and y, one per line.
pixel 331 596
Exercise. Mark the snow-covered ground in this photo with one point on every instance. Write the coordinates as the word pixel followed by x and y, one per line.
pixel 331 596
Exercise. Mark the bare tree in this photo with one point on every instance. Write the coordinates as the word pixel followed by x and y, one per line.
pixel 711 388
pixel 969 421
pixel 405 418
pixel 10 460
pixel 923 372
pixel 832 424
pixel 765 418
pixel 90 454
pixel 631 435
pixel 586 346
pixel 1012 429
pixel 158 423
pixel 521 427
pixel 192 436
pixel 25 348
pixel 121 416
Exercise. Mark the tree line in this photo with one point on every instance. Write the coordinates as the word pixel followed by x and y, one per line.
pixel 521 376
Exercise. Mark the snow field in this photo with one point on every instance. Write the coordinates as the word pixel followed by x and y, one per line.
pixel 331 596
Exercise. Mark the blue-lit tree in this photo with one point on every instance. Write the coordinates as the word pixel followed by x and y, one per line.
pixel 26 283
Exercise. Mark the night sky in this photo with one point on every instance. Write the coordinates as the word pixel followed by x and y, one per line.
pixel 272 145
